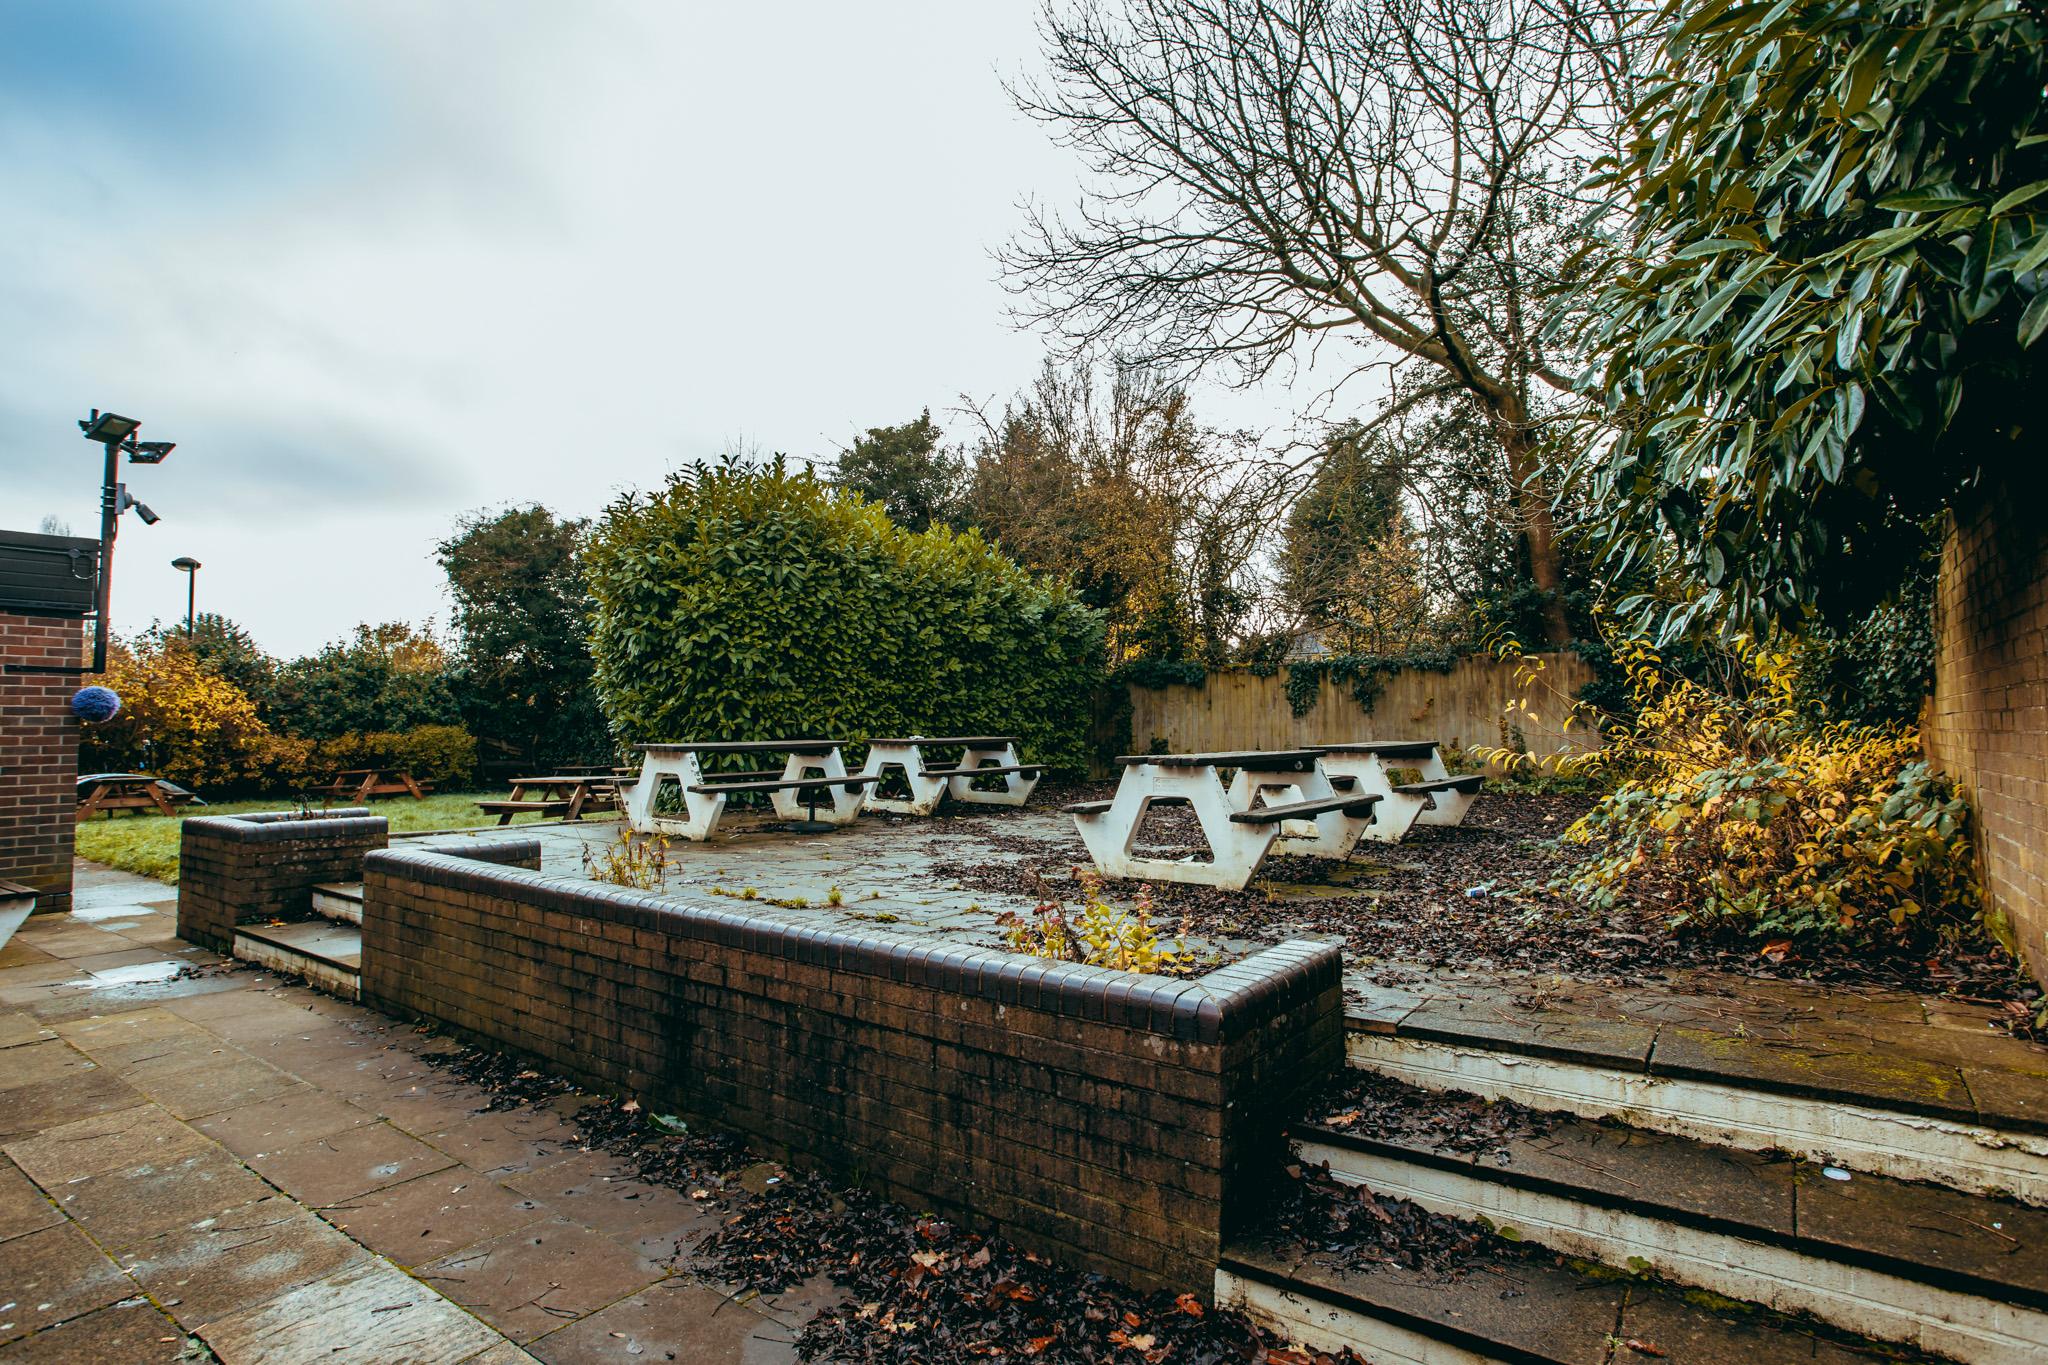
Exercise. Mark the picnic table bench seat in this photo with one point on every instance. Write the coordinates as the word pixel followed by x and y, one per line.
pixel 505 810
pixel 1088 808
pixel 783 784
pixel 996 770
pixel 1306 810
pixel 1467 782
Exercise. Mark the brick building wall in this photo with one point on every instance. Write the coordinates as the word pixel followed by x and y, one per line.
pixel 39 756
pixel 1113 1120
pixel 1987 723
pixel 236 868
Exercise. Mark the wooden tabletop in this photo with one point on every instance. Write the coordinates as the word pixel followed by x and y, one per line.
pixel 971 741
pixel 771 746
pixel 1386 748
pixel 1293 760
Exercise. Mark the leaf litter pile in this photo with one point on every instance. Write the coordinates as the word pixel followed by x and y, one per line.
pixel 1463 1124
pixel 1473 897
pixel 920 1289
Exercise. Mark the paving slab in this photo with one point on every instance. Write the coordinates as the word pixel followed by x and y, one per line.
pixel 293 1118
pixel 675 1320
pixel 19 952
pixel 132 1037
pixel 49 1276
pixel 32 1108
pixel 131 1332
pixel 37 1063
pixel 530 1282
pixel 369 1312
pixel 426 1218
pixel 18 1029
pixel 23 1207
pixel 117 1140
pixel 339 1168
pixel 192 1086
pixel 1682 1331
pixel 509 1142
pixel 122 1208
pixel 1538 1033
pixel 2006 1097
pixel 602 1192
pixel 242 1257
pixel 1888 1079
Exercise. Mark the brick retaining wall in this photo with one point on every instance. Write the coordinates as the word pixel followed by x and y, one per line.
pixel 1987 723
pixel 236 868
pixel 39 756
pixel 1110 1119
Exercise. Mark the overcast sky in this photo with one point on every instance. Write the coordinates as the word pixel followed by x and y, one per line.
pixel 372 265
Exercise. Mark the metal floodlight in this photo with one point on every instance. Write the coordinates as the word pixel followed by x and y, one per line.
pixel 109 428
pixel 150 452
pixel 186 563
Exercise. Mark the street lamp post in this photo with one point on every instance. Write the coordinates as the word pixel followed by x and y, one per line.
pixel 190 567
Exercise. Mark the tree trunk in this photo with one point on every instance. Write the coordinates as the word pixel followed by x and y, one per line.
pixel 1532 500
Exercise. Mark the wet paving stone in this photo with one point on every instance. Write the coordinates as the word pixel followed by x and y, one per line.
pixel 122 1208
pixel 426 1218
pixel 113 1141
pixel 379 1312
pixel 242 1257
pixel 672 1321
pixel 530 1282
pixel 341 1167
pixel 132 1331
pixel 23 1207
pixel 49 1276
pixel 290 1120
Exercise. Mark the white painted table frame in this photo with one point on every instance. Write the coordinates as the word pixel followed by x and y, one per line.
pixel 703 810
pixel 1400 811
pixel 1238 848
pixel 928 789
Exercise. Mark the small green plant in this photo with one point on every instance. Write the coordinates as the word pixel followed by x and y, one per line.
pixel 834 896
pixel 1100 935
pixel 641 863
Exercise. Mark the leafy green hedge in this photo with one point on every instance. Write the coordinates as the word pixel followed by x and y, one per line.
pixel 751 604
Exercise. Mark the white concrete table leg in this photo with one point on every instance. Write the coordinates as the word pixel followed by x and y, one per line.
pixel 701 811
pixel 842 806
pixel 1333 834
pixel 926 791
pixel 1016 786
pixel 1447 807
pixel 1396 812
pixel 1238 849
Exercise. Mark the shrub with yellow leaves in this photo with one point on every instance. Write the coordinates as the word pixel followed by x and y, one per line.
pixel 1736 806
pixel 182 721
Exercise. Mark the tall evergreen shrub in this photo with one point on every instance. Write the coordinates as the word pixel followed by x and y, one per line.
pixel 741 603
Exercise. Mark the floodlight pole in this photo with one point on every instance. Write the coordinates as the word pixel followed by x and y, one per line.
pixel 110 521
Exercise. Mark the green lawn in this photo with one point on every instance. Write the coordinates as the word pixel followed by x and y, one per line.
pixel 148 844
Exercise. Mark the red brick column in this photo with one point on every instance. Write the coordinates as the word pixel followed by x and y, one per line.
pixel 1987 723
pixel 39 756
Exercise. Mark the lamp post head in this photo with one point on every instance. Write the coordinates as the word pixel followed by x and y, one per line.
pixel 108 428
pixel 185 563
pixel 149 452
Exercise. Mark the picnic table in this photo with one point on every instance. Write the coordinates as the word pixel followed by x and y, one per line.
pixel 813 771
pixel 106 793
pixel 1438 799
pixel 569 795
pixel 982 756
pixel 1298 801
pixel 362 784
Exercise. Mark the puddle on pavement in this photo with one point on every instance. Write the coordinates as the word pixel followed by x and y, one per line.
pixel 93 914
pixel 140 974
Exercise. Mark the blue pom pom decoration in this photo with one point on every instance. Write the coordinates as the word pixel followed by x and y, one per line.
pixel 95 703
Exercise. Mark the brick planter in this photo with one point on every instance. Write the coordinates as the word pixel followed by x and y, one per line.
pixel 1111 1119
pixel 236 868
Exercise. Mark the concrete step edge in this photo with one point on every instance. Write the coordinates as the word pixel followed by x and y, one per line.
pixel 1973 1157
pixel 1358 1157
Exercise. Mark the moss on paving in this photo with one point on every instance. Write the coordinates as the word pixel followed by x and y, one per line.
pixel 148 844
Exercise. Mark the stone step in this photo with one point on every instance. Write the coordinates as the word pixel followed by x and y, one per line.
pixel 328 955
pixel 1979 1129
pixel 339 901
pixel 1923 1265
pixel 1523 1311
